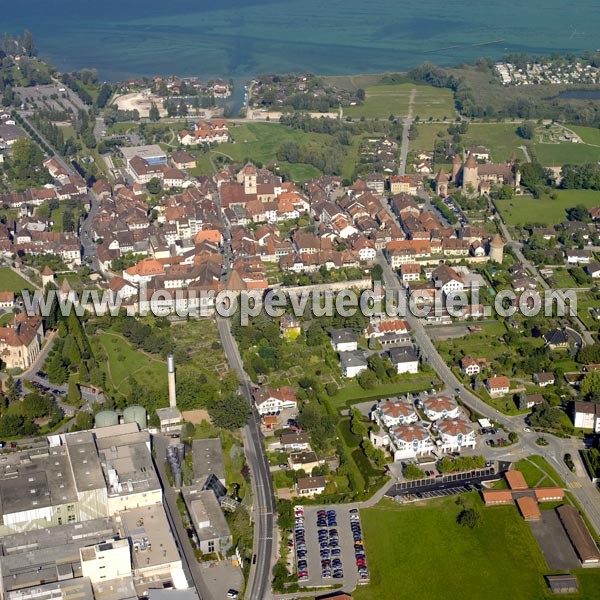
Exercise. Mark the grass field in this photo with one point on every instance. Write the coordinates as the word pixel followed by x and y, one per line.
pixel 420 550
pixel 354 393
pixel 260 141
pixel 11 281
pixel 590 135
pixel 526 209
pixel 499 138
pixel 124 361
pixel 565 152
pixel 385 100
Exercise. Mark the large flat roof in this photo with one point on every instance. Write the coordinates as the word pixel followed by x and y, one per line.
pixel 145 152
pixel 208 459
pixel 150 534
pixel 207 516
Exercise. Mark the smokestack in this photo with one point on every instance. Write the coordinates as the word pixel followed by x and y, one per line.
pixel 171 378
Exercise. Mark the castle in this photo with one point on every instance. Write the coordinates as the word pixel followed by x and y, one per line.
pixel 473 177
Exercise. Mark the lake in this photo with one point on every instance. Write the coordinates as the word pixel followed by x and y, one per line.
pixel 241 38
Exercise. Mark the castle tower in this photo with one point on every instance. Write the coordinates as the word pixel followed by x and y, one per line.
pixel 456 167
pixel 171 378
pixel 47 276
pixel 470 175
pixel 497 249
pixel 441 183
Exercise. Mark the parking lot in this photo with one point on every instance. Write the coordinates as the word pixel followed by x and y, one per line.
pixel 330 547
pixel 463 482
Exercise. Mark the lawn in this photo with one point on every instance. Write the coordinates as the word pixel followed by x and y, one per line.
pixel 124 361
pixel 526 209
pixel 260 141
pixel 385 100
pixel 481 344
pixel 565 152
pixel 420 550
pixel 590 135
pixel 12 282
pixel 534 476
pixel 353 394
pixel 561 278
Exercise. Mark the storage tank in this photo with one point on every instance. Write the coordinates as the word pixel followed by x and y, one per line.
pixel 136 414
pixel 106 418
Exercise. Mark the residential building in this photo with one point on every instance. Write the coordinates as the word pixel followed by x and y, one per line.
pixel 586 415
pixel 404 359
pixel 344 340
pixel 270 401
pixel 305 461
pixel 389 413
pixel 311 486
pixel 353 363
pixel 295 442
pixel 498 386
pixel 440 406
pixel 544 379
pixel 456 434
pixel 20 343
pixel 410 441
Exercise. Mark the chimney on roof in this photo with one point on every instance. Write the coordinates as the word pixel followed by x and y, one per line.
pixel 171 378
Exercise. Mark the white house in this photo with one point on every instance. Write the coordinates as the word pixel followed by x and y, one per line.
pixel 344 340
pixel 578 257
pixel 587 416
pixel 439 407
pixel 295 442
pixel 456 434
pixel 498 386
pixel 410 441
pixel 389 413
pixel 311 486
pixel 353 363
pixel 470 366
pixel 544 379
pixel 405 359
pixel 447 279
pixel 270 401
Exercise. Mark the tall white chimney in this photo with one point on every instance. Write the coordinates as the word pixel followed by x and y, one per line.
pixel 171 378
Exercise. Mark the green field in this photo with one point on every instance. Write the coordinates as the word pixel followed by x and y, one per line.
pixel 526 209
pixel 499 138
pixel 124 361
pixel 565 152
pixel 384 100
pixel 419 551
pixel 590 135
pixel 259 142
pixel 12 282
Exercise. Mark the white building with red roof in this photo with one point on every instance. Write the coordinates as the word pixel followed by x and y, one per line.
pixel 438 407
pixel 389 413
pixel 456 434
pixel 410 441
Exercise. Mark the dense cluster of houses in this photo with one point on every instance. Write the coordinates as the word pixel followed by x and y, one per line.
pixel 414 427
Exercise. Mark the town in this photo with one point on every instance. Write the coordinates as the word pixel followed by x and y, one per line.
pixel 163 450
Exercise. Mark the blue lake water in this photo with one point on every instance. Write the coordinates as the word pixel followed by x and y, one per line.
pixel 240 38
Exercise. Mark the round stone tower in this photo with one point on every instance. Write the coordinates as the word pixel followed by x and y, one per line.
pixel 497 249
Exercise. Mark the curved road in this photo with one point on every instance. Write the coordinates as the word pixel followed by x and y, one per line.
pixel 581 487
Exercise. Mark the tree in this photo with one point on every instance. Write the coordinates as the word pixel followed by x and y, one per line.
pixel 412 471
pixel 230 412
pixel 83 421
pixel 153 185
pixel 546 416
pixel 367 380
pixel 182 109
pixel 469 517
pixel 591 384
pixel 357 425
pixel 28 43
pixel 154 115
pixel 513 437
pixel 104 94
pixel 526 130
pixel 377 273
pixel 74 394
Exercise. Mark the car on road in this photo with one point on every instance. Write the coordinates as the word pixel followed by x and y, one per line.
pixel 232 593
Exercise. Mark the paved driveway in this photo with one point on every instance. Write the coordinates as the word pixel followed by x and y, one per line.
pixel 553 541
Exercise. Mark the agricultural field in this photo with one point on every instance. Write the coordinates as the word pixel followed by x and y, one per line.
pixel 384 100
pixel 526 209
pixel 409 545
pixel 12 282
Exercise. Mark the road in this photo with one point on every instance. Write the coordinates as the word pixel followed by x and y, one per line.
pixel 259 580
pixel 85 230
pixel 406 125
pixel 191 567
pixel 582 488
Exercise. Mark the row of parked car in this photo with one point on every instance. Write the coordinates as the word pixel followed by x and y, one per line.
pixel 329 545
pixel 359 549
pixel 300 542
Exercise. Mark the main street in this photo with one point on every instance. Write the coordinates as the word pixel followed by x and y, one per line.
pixel 259 580
pixel 582 488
